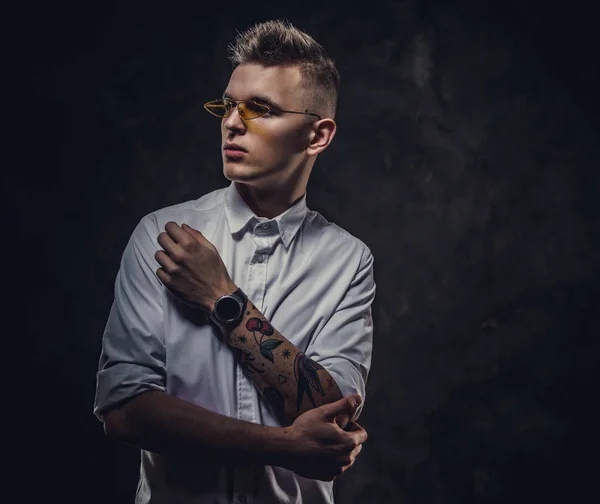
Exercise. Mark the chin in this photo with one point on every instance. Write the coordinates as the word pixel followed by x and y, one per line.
pixel 239 172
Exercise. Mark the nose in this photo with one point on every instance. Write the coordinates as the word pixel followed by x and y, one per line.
pixel 234 121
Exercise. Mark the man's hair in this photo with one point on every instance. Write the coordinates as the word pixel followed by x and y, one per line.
pixel 278 42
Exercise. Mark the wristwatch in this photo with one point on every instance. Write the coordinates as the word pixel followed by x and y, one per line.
pixel 229 309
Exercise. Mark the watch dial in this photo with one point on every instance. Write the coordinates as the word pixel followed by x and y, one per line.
pixel 229 308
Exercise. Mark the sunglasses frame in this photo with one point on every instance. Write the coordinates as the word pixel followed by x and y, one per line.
pixel 233 103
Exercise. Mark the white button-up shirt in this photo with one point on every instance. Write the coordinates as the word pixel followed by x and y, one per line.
pixel 310 278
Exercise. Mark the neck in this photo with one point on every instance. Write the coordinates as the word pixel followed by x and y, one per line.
pixel 269 202
pixel 273 199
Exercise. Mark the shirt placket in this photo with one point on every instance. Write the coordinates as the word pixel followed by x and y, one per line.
pixel 265 236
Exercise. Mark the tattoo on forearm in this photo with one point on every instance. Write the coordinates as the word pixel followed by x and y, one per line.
pixel 331 383
pixel 275 400
pixel 245 359
pixel 305 371
pixel 265 329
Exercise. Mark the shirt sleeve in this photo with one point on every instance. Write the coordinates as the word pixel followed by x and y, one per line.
pixel 344 344
pixel 132 359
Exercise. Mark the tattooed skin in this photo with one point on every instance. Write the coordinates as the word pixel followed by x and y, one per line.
pixel 305 370
pixel 245 359
pixel 281 372
pixel 265 329
pixel 275 399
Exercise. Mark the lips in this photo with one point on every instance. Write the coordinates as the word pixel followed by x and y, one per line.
pixel 234 147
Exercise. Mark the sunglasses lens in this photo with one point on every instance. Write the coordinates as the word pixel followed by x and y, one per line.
pixel 247 109
pixel 252 110
pixel 217 107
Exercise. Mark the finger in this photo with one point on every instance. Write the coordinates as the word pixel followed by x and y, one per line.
pixel 163 276
pixel 348 466
pixel 342 421
pixel 345 405
pixel 194 233
pixel 357 433
pixel 353 456
pixel 354 426
pixel 171 247
pixel 168 265
pixel 356 451
pixel 178 235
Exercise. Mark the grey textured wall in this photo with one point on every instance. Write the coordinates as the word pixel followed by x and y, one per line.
pixel 467 158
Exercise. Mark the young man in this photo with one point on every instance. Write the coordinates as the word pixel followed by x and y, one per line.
pixel 239 342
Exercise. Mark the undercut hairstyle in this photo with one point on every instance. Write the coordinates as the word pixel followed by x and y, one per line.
pixel 278 42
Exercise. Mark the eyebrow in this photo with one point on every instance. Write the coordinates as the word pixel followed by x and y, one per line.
pixel 262 99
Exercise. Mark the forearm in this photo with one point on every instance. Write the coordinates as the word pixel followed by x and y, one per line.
pixel 288 380
pixel 164 424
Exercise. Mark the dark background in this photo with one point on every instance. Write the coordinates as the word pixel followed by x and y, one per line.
pixel 467 158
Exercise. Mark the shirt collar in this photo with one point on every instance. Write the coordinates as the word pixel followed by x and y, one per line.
pixel 239 214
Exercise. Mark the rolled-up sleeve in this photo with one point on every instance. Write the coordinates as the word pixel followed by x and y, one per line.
pixel 132 359
pixel 344 344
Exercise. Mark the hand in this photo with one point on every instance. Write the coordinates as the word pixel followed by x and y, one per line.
pixel 192 267
pixel 324 450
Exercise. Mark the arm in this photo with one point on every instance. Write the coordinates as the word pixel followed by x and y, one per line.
pixel 131 393
pixel 289 381
pixel 314 447
pixel 164 424
pixel 339 355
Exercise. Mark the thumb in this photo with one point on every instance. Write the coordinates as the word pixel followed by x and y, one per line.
pixel 345 405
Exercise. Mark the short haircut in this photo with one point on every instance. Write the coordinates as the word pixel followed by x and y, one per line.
pixel 278 42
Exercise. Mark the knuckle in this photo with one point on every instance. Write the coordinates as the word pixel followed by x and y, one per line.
pixel 189 244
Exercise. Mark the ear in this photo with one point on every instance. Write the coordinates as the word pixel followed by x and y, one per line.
pixel 321 136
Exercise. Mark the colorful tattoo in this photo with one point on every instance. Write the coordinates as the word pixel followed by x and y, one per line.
pixel 286 353
pixel 265 329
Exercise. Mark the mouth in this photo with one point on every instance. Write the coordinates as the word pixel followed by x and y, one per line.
pixel 234 151
pixel 234 154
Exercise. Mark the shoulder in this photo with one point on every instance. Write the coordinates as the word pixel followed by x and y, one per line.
pixel 190 210
pixel 334 239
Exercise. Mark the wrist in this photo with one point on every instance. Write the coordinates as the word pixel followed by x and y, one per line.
pixel 228 288
pixel 282 447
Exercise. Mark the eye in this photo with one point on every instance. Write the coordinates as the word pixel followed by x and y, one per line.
pixel 273 112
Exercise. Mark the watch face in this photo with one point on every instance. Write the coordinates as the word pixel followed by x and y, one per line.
pixel 228 309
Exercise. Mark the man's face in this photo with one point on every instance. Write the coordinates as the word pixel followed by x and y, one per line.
pixel 275 143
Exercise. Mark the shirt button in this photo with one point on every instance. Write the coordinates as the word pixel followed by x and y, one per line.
pixel 260 258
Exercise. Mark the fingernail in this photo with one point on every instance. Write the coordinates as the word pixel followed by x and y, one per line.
pixel 358 400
